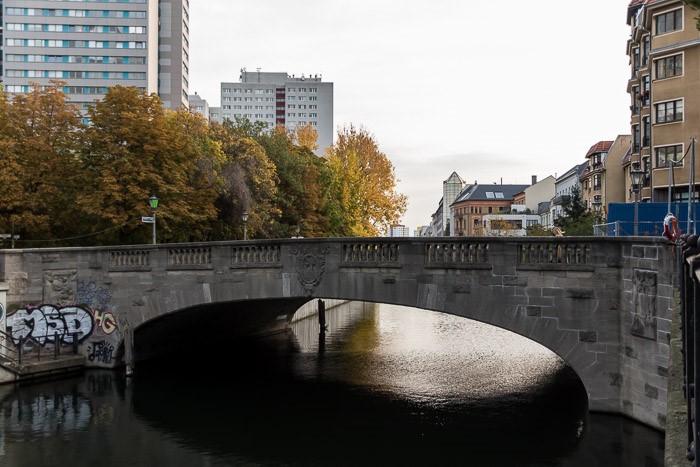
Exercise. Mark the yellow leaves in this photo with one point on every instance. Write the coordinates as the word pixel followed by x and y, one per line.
pixel 364 182
pixel 307 137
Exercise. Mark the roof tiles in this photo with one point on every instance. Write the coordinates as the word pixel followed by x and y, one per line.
pixel 600 146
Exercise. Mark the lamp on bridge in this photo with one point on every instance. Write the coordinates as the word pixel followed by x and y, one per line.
pixel 245 225
pixel 153 202
pixel 597 209
pixel 636 174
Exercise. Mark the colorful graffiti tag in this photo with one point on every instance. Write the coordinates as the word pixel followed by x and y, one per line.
pixel 43 322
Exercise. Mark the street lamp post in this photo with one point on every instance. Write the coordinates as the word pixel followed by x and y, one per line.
pixel 153 202
pixel 597 208
pixel 636 175
pixel 245 225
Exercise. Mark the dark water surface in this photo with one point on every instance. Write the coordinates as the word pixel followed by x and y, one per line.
pixel 386 385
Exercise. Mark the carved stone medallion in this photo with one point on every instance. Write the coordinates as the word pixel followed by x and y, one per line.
pixel 310 265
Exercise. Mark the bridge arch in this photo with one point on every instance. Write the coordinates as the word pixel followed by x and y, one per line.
pixel 605 305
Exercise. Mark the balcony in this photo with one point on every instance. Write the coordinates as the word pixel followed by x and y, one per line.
pixel 561 200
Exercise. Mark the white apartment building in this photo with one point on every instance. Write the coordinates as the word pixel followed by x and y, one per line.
pixel 95 44
pixel 281 99
pixel 563 187
pixel 398 231
pixel 199 104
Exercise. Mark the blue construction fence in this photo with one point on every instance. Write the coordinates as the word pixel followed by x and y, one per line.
pixel 620 220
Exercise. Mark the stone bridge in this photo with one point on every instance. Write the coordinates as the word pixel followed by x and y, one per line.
pixel 604 305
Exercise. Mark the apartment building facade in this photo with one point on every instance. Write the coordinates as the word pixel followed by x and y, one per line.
pixel 476 201
pixel 664 90
pixel 281 99
pixel 602 180
pixel 95 44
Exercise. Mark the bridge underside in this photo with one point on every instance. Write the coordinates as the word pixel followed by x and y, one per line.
pixel 205 329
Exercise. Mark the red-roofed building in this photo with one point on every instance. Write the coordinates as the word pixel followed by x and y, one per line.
pixel 600 181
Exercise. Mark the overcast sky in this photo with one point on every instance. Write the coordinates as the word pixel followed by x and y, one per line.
pixel 495 91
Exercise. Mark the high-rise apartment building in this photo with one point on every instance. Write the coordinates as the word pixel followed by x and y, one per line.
pixel 398 230
pixel 95 44
pixel 281 99
pixel 664 51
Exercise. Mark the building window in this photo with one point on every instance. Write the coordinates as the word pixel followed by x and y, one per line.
pixel 667 112
pixel 669 22
pixel 646 44
pixel 636 138
pixel 666 153
pixel 668 67
pixel 646 139
pixel 646 94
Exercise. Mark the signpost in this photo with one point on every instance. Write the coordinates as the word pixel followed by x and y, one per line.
pixel 13 237
pixel 147 220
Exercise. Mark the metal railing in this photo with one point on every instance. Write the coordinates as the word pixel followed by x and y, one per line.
pixel 626 228
pixel 689 282
pixel 27 348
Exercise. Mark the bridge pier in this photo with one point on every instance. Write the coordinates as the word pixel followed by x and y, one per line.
pixel 129 362
pixel 322 314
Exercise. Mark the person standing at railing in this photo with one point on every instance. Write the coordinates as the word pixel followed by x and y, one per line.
pixel 671 230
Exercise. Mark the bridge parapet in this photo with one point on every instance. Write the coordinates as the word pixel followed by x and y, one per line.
pixel 603 304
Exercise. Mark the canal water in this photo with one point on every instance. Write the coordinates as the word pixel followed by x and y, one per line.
pixel 383 386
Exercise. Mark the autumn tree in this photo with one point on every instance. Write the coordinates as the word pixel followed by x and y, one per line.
pixel 248 182
pixel 300 194
pixel 12 172
pixel 306 136
pixel 363 185
pixel 44 134
pixel 196 160
pixel 135 149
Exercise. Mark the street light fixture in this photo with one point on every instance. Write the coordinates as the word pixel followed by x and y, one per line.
pixel 597 208
pixel 636 174
pixel 245 225
pixel 153 202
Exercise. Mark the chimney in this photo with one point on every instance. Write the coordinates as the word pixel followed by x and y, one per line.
pixel 534 179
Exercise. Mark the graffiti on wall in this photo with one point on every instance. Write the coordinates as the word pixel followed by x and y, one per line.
pixel 101 352
pixel 43 322
pixel 92 295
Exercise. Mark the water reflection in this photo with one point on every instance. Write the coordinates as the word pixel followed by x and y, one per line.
pixel 383 386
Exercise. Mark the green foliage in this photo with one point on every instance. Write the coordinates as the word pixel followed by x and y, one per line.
pixel 575 208
pixel 537 230
pixel 581 226
pixel 577 220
